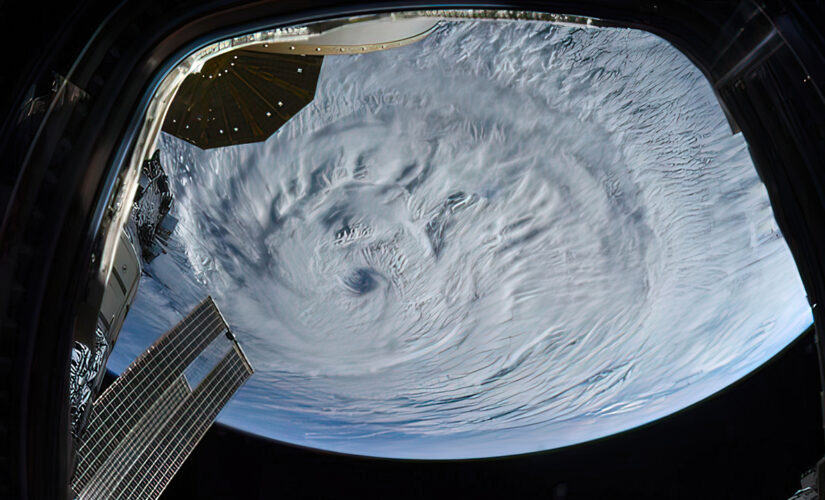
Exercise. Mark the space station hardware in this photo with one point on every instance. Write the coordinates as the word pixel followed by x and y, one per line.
pixel 805 494
pixel 241 96
pixel 150 217
pixel 808 489
pixel 143 426
pixel 89 355
pixel 246 89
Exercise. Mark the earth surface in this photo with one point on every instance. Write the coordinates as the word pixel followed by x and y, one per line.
pixel 508 237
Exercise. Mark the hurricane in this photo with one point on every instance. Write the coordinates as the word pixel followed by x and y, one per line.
pixel 508 237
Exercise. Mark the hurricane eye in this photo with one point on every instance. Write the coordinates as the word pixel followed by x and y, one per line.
pixel 361 281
